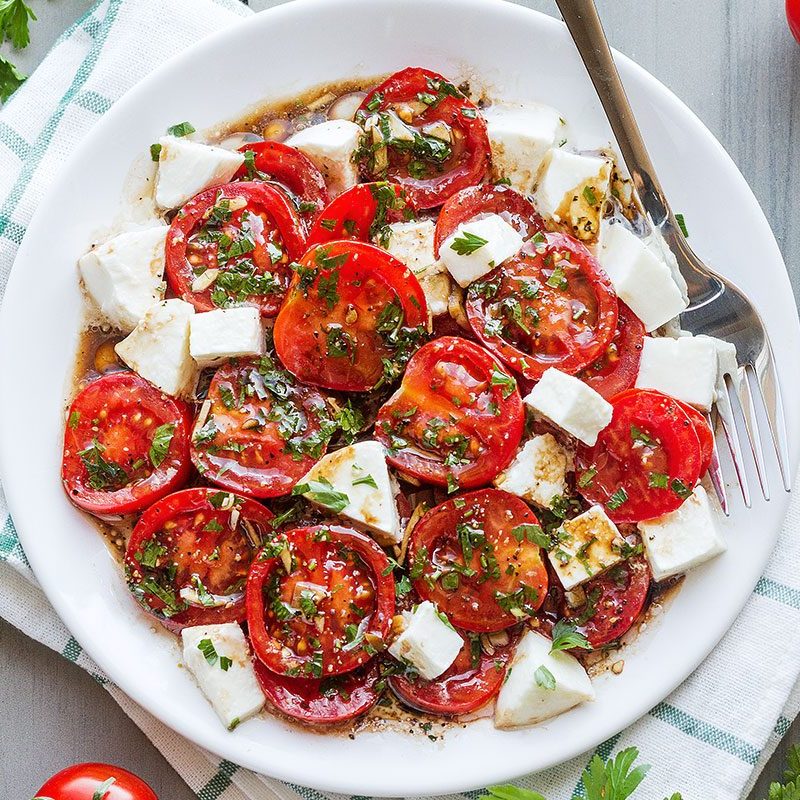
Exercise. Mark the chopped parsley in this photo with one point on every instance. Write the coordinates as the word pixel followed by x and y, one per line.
pixel 467 243
pixel 617 499
pixel 104 475
pixel 505 381
pixel 567 637
pixel 181 129
pixel 544 678
pixel 321 491
pixel 159 446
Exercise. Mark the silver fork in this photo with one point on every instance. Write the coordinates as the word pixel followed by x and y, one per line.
pixel 716 306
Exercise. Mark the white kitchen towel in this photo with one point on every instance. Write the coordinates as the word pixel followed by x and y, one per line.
pixel 707 740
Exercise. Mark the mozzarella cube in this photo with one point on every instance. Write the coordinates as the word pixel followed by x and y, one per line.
pixel 684 368
pixel 682 539
pixel 186 168
pixel 488 241
pixel 219 658
pixel 528 695
pixel 640 278
pixel 332 147
pixel 226 333
pixel 429 644
pixel 538 472
pixel 360 473
pixel 158 348
pixel 124 276
pixel 586 546
pixel 572 191
pixel 570 404
pixel 519 137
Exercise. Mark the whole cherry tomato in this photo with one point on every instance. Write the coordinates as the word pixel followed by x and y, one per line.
pixel 793 17
pixel 95 782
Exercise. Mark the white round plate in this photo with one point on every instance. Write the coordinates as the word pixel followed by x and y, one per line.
pixel 519 54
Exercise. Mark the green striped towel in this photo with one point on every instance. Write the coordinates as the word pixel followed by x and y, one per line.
pixel 711 736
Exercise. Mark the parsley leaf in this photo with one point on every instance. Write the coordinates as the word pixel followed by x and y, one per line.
pixel 14 18
pixel 322 492
pixel 181 129
pixel 506 381
pixel 617 499
pixel 162 439
pixel 544 678
pixel 615 779
pixel 566 636
pixel 10 79
pixel 467 243
pixel 103 474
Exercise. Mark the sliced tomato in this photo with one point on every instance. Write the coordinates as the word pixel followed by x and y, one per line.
pixel 472 680
pixel 704 435
pixel 327 701
pixel 487 199
pixel 475 556
pixel 431 167
pixel 352 318
pixel 645 462
pixel 263 431
pixel 457 418
pixel 188 556
pixel 233 244
pixel 125 445
pixel 319 602
pixel 616 369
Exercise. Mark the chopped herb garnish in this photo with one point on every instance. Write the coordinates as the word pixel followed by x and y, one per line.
pixel 155 151
pixel 103 474
pixel 181 129
pixel 544 678
pixel 322 492
pixel 74 419
pixel 658 480
pixel 617 499
pixel 366 480
pixel 159 446
pixel 566 637
pixel 589 195
pixel 682 225
pixel 467 243
pixel 680 488
pixel 558 279
pixel 507 383
pixel 586 478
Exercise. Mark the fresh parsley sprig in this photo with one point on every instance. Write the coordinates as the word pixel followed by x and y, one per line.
pixel 15 18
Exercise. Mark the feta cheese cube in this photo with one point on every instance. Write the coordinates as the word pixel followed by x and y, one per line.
pixel 225 333
pixel 572 191
pixel 489 241
pixel 219 658
pixel 640 277
pixel 428 643
pixel 538 472
pixel 124 275
pixel 570 404
pixel 682 539
pixel 519 137
pixel 586 546
pixel 158 348
pixel 186 168
pixel 727 363
pixel 685 368
pixel 332 147
pixel 540 684
pixel 359 472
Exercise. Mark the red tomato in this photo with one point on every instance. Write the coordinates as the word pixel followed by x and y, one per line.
pixel 549 306
pixel 352 318
pixel 263 431
pixel 430 168
pixel 336 576
pixel 704 435
pixel 645 463
pixel 321 702
pixel 473 679
pixel 95 782
pixel 200 540
pixel 475 556
pixel 248 232
pixel 487 199
pixel 616 369
pixel 125 445
pixel 793 17
pixel 457 417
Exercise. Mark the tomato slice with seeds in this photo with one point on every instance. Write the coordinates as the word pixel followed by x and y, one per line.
pixel 352 318
pixel 188 556
pixel 457 418
pixel 318 602
pixel 704 435
pixel 441 147
pixel 549 306
pixel 645 462
pixel 260 430
pixel 125 445
pixel 233 244
pixel 476 556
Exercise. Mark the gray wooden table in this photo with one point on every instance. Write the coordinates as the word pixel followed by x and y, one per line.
pixel 732 61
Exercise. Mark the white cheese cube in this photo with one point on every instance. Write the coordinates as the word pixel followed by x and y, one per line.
pixel 359 471
pixel 520 136
pixel 570 404
pixel 500 241
pixel 332 147
pixel 186 168
pixel 684 368
pixel 640 278
pixel 226 333
pixel 682 539
pixel 538 472
pixel 429 644
pixel 586 546
pixel 572 191
pixel 219 658
pixel 727 363
pixel 158 348
pixel 124 276
pixel 528 695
